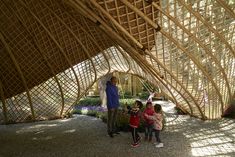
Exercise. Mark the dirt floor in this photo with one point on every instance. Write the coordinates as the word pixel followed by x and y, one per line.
pixel 84 136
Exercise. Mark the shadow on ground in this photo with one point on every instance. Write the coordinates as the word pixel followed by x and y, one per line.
pixel 83 136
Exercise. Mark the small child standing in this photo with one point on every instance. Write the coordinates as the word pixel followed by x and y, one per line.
pixel 158 118
pixel 135 115
pixel 148 123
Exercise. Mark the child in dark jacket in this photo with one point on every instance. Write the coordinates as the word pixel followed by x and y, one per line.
pixel 148 123
pixel 135 115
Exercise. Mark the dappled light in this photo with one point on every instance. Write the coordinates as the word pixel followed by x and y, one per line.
pixel 65 120
pixel 84 110
pixel 70 131
pixel 207 138
pixel 183 136
pixel 36 127
pixel 42 138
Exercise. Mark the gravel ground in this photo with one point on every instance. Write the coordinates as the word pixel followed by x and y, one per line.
pixel 84 136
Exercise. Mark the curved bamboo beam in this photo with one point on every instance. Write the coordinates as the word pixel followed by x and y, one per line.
pixel 209 26
pixel 78 40
pixel 141 14
pixel 125 57
pixel 2 98
pixel 157 74
pixel 198 65
pixel 137 11
pixel 192 36
pixel 107 29
pixel 120 28
pixel 41 52
pixel 159 79
pixel 95 19
pixel 91 37
pixel 56 43
pixel 164 84
pixel 18 69
pixel 82 94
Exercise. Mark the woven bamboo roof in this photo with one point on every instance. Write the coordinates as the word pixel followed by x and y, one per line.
pixel 52 52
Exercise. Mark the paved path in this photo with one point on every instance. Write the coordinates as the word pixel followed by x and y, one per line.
pixel 84 136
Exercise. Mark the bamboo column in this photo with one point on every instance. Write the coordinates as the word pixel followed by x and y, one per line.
pixel 19 72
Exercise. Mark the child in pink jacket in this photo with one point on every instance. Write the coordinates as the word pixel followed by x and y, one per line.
pixel 157 126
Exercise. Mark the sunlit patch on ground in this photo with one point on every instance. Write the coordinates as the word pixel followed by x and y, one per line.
pixel 183 136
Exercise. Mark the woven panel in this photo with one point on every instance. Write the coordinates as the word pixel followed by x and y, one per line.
pixel 52 52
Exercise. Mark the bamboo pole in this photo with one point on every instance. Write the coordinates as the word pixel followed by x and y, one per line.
pixel 164 84
pixel 76 38
pixel 156 75
pixel 208 25
pixel 57 44
pixel 2 98
pixel 123 30
pixel 92 38
pixel 226 7
pixel 109 31
pixel 18 69
pixel 40 51
pixel 178 45
pixel 198 65
pixel 192 36
pixel 126 58
pixel 141 14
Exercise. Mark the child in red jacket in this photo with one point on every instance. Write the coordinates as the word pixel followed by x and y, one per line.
pixel 148 123
pixel 157 126
pixel 135 115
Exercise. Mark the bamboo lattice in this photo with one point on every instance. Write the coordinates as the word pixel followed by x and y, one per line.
pixel 52 52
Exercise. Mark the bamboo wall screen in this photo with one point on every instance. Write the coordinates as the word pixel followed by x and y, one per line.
pixel 52 51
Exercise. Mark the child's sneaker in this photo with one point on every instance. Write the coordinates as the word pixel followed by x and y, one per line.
pixel 135 145
pixel 159 145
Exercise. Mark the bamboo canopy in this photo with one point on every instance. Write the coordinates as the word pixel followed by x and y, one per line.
pixel 52 52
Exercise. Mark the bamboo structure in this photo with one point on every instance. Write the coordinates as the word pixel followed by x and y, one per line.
pixel 53 51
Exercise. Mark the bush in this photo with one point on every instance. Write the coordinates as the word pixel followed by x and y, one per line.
pixel 126 102
pixel 143 95
pixel 89 101
pixel 127 95
pixel 95 111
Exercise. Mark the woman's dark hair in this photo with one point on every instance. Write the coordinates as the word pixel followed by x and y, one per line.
pixel 139 103
pixel 157 108
pixel 148 103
